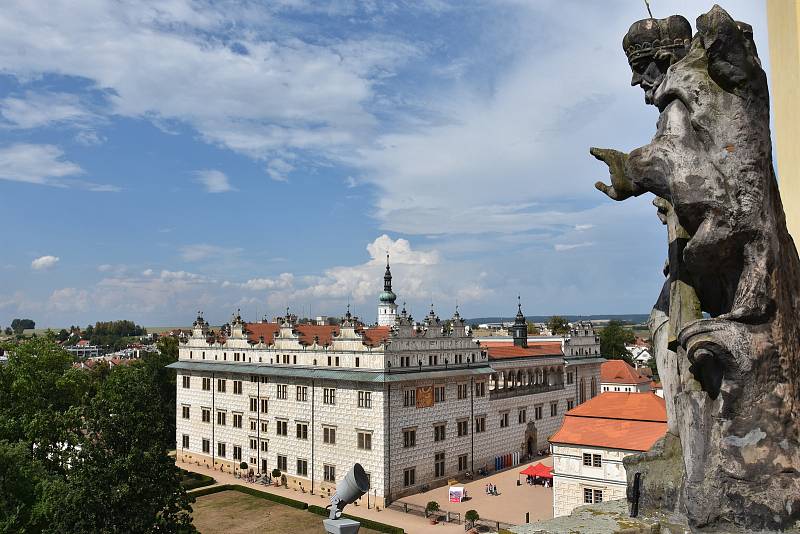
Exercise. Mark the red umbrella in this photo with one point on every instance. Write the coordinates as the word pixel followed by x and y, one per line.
pixel 538 470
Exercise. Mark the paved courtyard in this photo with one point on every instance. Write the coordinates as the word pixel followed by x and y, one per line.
pixel 508 507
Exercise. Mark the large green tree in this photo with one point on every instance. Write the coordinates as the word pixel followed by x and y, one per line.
pixel 613 339
pixel 558 325
pixel 83 451
pixel 20 325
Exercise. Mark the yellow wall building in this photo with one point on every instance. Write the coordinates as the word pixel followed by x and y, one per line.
pixel 784 51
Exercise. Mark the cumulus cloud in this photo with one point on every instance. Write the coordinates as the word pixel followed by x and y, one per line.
pixel 69 299
pixel 43 165
pixel 38 109
pixel 43 263
pixel 214 181
pixel 283 281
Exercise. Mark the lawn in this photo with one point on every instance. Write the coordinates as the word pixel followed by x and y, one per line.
pixel 233 512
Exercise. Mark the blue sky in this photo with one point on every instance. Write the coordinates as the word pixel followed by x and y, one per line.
pixel 157 158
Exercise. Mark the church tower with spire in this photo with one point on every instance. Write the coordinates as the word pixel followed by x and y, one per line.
pixel 387 309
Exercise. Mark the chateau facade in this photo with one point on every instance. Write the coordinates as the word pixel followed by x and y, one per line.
pixel 414 403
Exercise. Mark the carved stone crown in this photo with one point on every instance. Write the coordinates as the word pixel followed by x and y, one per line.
pixel 647 36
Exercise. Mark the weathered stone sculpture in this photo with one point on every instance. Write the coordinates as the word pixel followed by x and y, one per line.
pixel 732 377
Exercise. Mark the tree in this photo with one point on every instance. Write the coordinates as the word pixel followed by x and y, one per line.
pixel 62 335
pixel 9 331
pixel 533 330
pixel 557 325
pixel 431 507
pixel 613 339
pixel 472 516
pixel 20 325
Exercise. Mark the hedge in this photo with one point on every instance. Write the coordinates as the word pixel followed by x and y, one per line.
pixel 300 505
pixel 191 480
pixel 209 490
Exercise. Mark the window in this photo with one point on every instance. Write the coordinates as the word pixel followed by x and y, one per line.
pixel 462 391
pixel 328 435
pixel 206 446
pixel 206 384
pixel 302 393
pixel 185 412
pixel 365 399
pixel 302 467
pixel 358 362
pixel 294 359
pixel 480 389
pixel 410 397
pixel 409 437
pixel 337 361
pixel 206 415
pixel 254 425
pixel 480 424
pixel 597 460
pixel 365 440
pixel 587 460
pixel 185 442
pixel 264 426
pixel 264 445
pixel 253 444
pixel 237 387
pixel 221 418
pixel 237 420
pixel 221 450
pixel 221 385
pixel 522 415
pixel 570 404
pixel 405 361
pixel 537 412
pixel 438 465
pixel 282 463
pixel 503 420
pixel 329 473
pixel 282 428
pixel 253 379
pixel 409 477
pixel 237 453
pixel 461 426
pixel 553 409
pixel 462 462
pixel 592 496
pixel 438 432
pixel 186 381
pixel 328 396
pixel 253 404
pixel 302 430
pixel 264 405
pixel 438 394
pixel 281 391
pixel 569 378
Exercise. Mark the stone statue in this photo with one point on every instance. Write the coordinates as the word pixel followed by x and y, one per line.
pixel 726 327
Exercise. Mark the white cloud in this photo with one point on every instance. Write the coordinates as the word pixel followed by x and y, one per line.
pixel 37 109
pixel 69 299
pixel 43 165
pixel 279 170
pixel 44 262
pixel 284 280
pixel 214 181
pixel 561 247
pixel 582 227
pixel 201 251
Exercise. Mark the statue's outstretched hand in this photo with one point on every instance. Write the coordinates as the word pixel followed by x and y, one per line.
pixel 621 187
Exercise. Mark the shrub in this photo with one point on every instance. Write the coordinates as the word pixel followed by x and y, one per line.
pixel 276 473
pixel 472 516
pixel 243 465
pixel 432 506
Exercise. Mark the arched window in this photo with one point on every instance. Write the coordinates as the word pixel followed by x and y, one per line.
pixel 582 392
pixel 594 387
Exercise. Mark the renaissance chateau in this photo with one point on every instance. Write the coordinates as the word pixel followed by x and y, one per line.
pixel 414 402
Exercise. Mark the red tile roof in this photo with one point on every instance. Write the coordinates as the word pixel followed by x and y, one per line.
pixel 503 351
pixel 627 421
pixel 373 336
pixel 620 372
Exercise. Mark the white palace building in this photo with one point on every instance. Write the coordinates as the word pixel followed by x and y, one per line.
pixel 415 403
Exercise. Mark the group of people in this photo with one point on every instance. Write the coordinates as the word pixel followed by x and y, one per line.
pixel 534 481
pixel 491 489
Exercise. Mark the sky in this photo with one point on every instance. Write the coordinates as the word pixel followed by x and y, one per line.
pixel 160 158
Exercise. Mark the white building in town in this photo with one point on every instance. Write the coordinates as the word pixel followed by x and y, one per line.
pixel 594 438
pixel 414 403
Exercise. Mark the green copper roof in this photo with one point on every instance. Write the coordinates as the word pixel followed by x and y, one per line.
pixel 387 296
